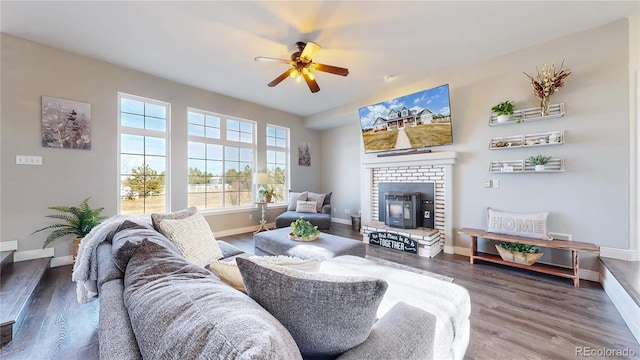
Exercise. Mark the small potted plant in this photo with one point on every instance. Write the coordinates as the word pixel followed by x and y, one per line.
pixel 302 230
pixel 270 193
pixel 504 111
pixel 76 220
pixel 539 161
pixel 519 253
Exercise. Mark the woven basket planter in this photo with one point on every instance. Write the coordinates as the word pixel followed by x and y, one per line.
pixel 518 257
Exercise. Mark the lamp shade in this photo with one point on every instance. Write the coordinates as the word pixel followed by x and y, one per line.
pixel 260 178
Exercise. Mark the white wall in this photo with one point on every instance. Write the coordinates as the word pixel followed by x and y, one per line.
pixel 591 199
pixel 340 168
pixel 30 70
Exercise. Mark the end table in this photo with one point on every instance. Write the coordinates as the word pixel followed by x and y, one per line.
pixel 263 221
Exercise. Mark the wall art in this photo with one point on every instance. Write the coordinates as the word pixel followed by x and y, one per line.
pixel 304 153
pixel 66 124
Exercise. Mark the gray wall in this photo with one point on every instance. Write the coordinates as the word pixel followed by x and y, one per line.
pixel 30 70
pixel 591 199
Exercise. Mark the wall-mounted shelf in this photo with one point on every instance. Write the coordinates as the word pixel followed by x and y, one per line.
pixel 529 140
pixel 523 166
pixel 530 114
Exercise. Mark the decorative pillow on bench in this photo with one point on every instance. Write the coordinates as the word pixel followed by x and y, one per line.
pixel 533 225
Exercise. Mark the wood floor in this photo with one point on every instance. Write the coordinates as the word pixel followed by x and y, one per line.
pixel 515 314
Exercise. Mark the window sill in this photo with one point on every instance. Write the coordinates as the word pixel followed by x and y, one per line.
pixel 241 209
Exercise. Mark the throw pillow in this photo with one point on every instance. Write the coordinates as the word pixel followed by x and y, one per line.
pixel 325 314
pixel 193 237
pixel 157 218
pixel 228 271
pixel 307 207
pixel 319 198
pixel 293 199
pixel 533 225
pixel 179 310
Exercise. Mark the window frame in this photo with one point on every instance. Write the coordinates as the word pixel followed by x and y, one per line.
pixel 166 135
pixel 222 141
pixel 287 150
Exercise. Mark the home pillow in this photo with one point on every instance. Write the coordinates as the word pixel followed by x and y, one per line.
pixel 319 198
pixel 293 199
pixel 157 218
pixel 128 236
pixel 325 314
pixel 179 310
pixel 228 271
pixel 306 207
pixel 193 237
pixel 533 225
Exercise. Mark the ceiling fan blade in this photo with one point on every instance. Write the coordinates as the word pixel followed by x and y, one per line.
pixel 331 69
pixel 310 50
pixel 282 76
pixel 268 59
pixel 313 85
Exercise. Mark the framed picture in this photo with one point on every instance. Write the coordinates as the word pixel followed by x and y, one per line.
pixel 66 124
pixel 304 153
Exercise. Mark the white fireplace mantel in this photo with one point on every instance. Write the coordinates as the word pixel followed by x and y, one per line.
pixel 446 160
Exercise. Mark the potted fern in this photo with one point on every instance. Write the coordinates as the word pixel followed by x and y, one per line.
pixel 76 220
pixel 302 230
pixel 539 161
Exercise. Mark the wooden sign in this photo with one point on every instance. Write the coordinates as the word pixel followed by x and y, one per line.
pixel 394 241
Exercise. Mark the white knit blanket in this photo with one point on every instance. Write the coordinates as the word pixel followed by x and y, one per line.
pixel 85 270
pixel 450 303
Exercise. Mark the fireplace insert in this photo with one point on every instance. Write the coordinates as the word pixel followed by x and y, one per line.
pixel 402 209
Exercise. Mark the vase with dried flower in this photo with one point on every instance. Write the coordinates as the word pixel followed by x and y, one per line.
pixel 546 82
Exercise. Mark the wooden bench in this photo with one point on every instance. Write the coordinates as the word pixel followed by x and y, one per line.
pixel 573 246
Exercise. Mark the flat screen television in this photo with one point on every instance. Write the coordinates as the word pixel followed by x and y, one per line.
pixel 415 121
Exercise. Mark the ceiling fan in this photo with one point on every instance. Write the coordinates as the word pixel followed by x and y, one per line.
pixel 302 66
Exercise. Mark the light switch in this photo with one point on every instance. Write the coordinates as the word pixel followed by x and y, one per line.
pixel 28 160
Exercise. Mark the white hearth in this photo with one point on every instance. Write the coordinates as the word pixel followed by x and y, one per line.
pixel 436 167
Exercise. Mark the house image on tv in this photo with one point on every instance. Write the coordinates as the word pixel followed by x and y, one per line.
pixel 404 117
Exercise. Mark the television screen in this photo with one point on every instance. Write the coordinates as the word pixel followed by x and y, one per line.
pixel 413 121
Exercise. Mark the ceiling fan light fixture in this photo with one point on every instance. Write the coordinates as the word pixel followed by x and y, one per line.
pixel 310 50
pixel 294 73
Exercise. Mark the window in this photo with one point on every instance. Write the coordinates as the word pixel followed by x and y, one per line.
pixel 220 160
pixel 143 154
pixel 278 159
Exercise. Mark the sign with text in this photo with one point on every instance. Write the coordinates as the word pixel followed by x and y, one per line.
pixel 394 241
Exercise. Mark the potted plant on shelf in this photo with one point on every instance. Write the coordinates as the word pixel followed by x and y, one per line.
pixel 76 221
pixel 539 161
pixel 519 253
pixel 302 230
pixel 503 111
pixel 269 194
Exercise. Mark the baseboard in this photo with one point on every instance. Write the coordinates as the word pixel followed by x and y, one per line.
pixel 33 254
pixel 458 250
pixel 62 260
pixel 620 254
pixel 9 245
pixel 341 221
pixel 628 309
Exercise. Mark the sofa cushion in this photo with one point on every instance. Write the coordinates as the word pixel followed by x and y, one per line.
pixel 318 198
pixel 157 218
pixel 193 237
pixel 128 237
pixel 117 340
pixel 228 271
pixel 533 225
pixel 310 207
pixel 179 310
pixel 294 197
pixel 325 314
pixel 322 221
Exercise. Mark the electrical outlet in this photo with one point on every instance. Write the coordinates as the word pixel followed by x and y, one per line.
pixel 335 210
pixel 487 183
pixel 347 211
pixel 250 216
pixel 495 183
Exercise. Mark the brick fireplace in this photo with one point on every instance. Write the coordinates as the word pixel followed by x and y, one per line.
pixel 434 167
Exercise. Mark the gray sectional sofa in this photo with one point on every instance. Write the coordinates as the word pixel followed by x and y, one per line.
pixel 321 218
pixel 156 304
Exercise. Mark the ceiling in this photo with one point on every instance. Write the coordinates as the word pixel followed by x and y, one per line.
pixel 212 44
